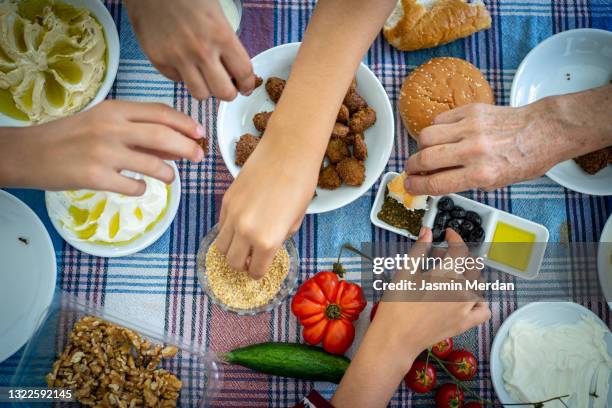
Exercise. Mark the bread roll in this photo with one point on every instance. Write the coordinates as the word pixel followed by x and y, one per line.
pixel 439 85
pixel 418 24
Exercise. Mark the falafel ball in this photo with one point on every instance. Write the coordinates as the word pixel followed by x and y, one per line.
pixel 258 81
pixel 593 162
pixel 360 149
pixel 349 138
pixel 274 87
pixel 354 101
pixel 362 120
pixel 343 114
pixel 339 130
pixel 260 120
pixel 337 150
pixel 351 171
pixel 329 178
pixel 244 147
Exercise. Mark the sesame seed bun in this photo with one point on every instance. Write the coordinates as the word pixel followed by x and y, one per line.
pixel 440 85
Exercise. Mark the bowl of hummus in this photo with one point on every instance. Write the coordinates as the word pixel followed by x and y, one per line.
pixel 57 58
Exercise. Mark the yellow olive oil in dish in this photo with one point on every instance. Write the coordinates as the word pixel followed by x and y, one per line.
pixel 511 246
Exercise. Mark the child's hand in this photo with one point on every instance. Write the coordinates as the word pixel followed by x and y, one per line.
pixel 438 315
pixel 88 150
pixel 401 330
pixel 192 41
pixel 264 205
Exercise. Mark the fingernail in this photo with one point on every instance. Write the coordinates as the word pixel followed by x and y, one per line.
pixel 422 232
pixel 200 130
pixel 199 155
pixel 407 184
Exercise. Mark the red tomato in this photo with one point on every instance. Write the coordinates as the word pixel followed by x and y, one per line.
pixel 473 405
pixel 327 308
pixel 449 396
pixel 373 311
pixel 422 377
pixel 443 348
pixel 462 364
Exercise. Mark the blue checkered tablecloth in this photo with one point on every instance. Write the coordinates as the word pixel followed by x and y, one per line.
pixel 159 284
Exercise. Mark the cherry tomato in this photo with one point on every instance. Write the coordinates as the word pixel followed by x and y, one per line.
pixel 422 377
pixel 473 405
pixel 373 311
pixel 449 396
pixel 443 348
pixel 462 364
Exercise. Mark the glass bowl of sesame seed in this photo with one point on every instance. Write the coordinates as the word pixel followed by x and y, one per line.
pixel 234 291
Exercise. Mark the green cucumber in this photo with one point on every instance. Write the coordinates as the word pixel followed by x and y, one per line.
pixel 290 360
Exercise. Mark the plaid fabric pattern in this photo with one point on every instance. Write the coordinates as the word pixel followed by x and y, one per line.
pixel 159 285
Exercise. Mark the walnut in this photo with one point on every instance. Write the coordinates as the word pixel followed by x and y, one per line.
pixel 108 365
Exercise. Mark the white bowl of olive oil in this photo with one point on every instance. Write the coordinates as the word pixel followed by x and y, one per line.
pixel 11 113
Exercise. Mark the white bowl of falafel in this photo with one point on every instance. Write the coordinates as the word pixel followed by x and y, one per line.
pixel 360 144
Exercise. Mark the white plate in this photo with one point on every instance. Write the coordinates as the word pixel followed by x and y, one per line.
pixel 604 261
pixel 142 242
pixel 540 313
pixel 586 55
pixel 27 273
pixel 236 118
pixel 97 8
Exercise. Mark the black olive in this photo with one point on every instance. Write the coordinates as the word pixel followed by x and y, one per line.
pixel 473 217
pixel 465 236
pixel 445 204
pixel 477 236
pixel 442 218
pixel 454 224
pixel 438 234
pixel 467 227
pixel 457 212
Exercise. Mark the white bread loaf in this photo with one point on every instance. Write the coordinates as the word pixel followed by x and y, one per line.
pixel 418 24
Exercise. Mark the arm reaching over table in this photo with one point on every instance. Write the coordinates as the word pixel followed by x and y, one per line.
pixel 90 149
pixel 268 199
pixel 402 329
pixel 485 146
pixel 192 41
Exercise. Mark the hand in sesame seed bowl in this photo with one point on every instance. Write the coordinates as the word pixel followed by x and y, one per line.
pixel 235 291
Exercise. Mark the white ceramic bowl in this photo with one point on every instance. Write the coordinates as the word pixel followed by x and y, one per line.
pixel 97 8
pixel 571 61
pixel 540 313
pixel 28 272
pixel 604 261
pixel 235 119
pixel 140 243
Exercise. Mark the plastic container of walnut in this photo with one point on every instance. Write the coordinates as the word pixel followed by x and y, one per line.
pixel 105 360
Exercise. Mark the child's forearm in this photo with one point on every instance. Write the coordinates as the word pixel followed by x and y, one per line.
pixel 338 35
pixel 13 166
pixel 376 371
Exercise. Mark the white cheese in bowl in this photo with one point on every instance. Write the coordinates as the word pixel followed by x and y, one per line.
pixel 543 362
pixel 109 218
